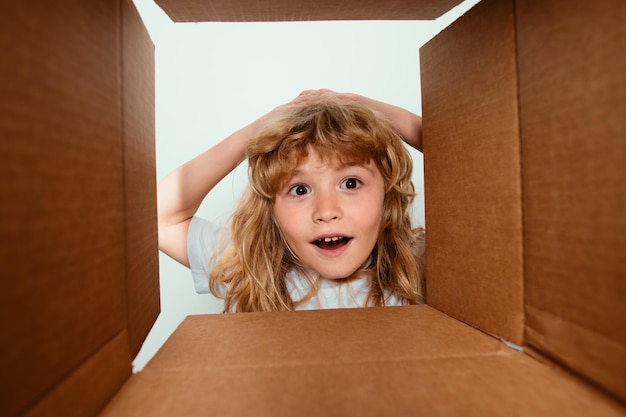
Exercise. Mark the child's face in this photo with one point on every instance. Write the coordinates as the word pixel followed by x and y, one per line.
pixel 330 215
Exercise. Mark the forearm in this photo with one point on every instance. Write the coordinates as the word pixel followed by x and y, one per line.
pixel 182 191
pixel 408 124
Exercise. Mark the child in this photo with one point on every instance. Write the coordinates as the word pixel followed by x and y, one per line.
pixel 325 220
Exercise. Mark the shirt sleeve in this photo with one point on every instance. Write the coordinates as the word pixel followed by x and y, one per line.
pixel 202 242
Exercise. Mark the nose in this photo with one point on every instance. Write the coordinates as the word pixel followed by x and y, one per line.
pixel 327 207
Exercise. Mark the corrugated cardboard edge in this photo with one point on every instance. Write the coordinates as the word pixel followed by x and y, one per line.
pixel 318 336
pixel 138 118
pixel 285 10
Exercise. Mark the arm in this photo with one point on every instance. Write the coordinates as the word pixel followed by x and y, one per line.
pixel 180 193
pixel 408 124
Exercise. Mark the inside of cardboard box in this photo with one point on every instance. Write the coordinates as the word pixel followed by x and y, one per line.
pixel 79 242
pixel 195 110
pixel 509 325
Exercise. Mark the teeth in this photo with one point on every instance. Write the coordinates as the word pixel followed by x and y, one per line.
pixel 332 239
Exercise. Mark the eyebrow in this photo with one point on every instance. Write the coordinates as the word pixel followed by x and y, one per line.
pixel 368 167
pixel 286 180
pixel 337 167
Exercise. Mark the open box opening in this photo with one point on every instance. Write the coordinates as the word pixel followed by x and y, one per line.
pixel 524 153
pixel 213 78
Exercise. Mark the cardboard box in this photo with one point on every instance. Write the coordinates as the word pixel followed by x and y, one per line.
pixel 523 106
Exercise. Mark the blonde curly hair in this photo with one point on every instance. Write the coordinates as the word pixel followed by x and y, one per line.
pixel 254 274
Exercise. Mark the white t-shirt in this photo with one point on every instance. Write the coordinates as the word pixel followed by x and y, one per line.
pixel 202 241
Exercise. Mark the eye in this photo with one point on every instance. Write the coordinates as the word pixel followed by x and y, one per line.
pixel 351 183
pixel 299 189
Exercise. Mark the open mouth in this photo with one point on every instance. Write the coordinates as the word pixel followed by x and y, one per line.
pixel 334 242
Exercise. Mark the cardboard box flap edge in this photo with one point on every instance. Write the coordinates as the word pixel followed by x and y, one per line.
pixel 285 10
pixel 297 339
pixel 138 101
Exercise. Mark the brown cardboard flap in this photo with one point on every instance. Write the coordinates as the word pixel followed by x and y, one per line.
pixel 286 10
pixel 142 268
pixel 573 106
pixel 61 193
pixel 367 362
pixel 472 171
pixel 260 339
pixel 580 348
pixel 86 391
